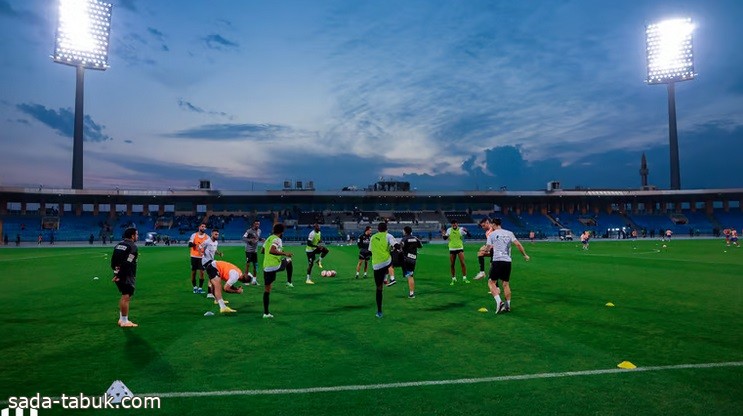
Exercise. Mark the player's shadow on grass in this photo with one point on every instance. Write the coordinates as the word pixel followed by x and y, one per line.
pixel 141 354
pixel 446 306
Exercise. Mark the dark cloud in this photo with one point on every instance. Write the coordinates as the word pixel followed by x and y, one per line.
pixel 128 141
pixel 27 16
pixel 156 33
pixel 185 105
pixel 6 10
pixel 215 41
pixel 190 107
pixel 232 131
pixel 20 121
pixel 128 5
pixel 62 121
pixel 702 166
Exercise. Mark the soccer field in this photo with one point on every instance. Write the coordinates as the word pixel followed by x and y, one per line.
pixel 678 316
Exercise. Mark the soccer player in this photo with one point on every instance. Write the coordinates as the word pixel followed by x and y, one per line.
pixel 532 236
pixel 456 250
pixel 381 243
pixel 229 273
pixel 584 238
pixel 669 233
pixel 734 237
pixel 500 241
pixel 208 249
pixel 274 260
pixel 410 245
pixel 124 265
pixel 314 246
pixel 364 252
pixel 193 244
pixel 484 251
pixel 251 238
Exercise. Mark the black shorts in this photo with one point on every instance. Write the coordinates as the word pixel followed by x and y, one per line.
pixel 379 275
pixel 269 277
pixel 125 287
pixel 500 270
pixel 455 252
pixel 251 257
pixel 196 264
pixel 408 266
pixel 365 255
pixel 212 271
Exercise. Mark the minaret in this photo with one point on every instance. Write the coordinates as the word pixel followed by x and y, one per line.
pixel 644 172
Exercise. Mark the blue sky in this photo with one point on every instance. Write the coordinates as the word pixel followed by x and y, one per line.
pixel 448 95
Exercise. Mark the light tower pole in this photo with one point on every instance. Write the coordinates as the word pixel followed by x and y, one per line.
pixel 670 60
pixel 82 38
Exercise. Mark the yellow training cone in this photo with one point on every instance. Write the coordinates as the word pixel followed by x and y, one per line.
pixel 482 310
pixel 626 365
pixel 610 304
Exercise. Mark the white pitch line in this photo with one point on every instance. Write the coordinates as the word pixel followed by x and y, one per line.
pixel 359 387
pixel 90 254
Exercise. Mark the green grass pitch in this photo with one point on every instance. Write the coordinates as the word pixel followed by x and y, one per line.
pixel 677 305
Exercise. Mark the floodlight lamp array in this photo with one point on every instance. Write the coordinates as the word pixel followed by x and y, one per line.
pixel 669 51
pixel 83 33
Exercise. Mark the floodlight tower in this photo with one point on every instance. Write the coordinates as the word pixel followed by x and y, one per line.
pixel 670 60
pixel 83 33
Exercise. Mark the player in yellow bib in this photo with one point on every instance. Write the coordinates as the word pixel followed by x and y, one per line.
pixel 456 250
pixel 275 259
pixel 380 244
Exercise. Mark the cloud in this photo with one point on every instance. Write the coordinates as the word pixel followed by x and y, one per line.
pixel 217 42
pixel 233 131
pixel 27 16
pixel 128 141
pixel 185 105
pixel 128 5
pixel 6 10
pixel 156 33
pixel 62 121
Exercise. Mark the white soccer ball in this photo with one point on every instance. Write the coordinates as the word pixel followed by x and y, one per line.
pixel 664 246
pixel 324 273
pixel 332 273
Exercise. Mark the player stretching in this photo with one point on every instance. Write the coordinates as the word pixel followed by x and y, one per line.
pixel 484 251
pixel 251 238
pixel 381 244
pixel 500 241
pixel 364 253
pixel 124 265
pixel 314 246
pixel 230 274
pixel 456 250
pixel 274 260
pixel 193 244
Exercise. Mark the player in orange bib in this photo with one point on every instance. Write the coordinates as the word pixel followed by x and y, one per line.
pixel 193 244
pixel 230 274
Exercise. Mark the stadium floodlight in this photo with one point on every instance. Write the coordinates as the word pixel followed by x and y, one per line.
pixel 670 56
pixel 82 40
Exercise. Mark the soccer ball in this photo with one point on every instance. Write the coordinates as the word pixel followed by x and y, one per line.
pixel 664 246
pixel 324 273
pixel 332 273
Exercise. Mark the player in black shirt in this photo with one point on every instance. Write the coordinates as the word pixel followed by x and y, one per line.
pixel 364 252
pixel 124 265
pixel 410 245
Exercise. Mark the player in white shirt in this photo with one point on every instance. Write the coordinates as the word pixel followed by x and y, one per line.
pixel 209 249
pixel 501 240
